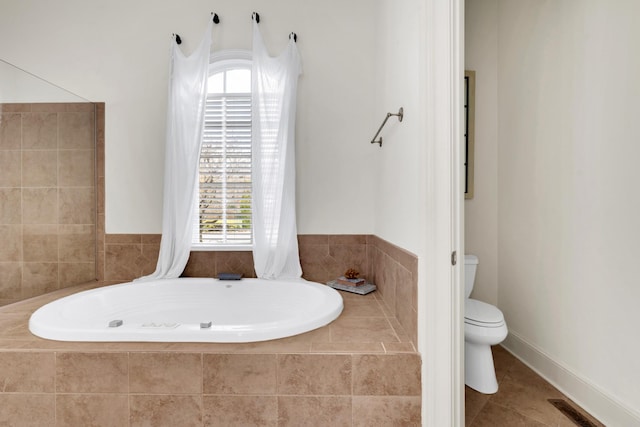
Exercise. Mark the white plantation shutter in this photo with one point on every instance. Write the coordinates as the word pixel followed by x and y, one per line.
pixel 223 214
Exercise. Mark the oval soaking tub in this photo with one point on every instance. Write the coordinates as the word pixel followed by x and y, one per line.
pixel 189 310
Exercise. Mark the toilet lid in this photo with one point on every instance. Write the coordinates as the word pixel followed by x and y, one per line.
pixel 482 314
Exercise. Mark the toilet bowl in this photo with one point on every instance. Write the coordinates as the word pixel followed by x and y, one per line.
pixel 484 326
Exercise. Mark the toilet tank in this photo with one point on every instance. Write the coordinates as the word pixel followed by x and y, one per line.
pixel 470 266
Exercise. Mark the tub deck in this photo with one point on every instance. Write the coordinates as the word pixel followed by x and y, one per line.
pixel 362 369
pixel 363 326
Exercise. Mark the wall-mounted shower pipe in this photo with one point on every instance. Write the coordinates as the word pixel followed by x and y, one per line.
pixel 400 115
pixel 216 20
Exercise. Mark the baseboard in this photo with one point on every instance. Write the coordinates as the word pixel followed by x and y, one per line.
pixel 595 401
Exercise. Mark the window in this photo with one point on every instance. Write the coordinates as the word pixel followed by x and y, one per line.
pixel 223 215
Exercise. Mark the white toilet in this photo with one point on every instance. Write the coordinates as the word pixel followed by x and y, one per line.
pixel 484 326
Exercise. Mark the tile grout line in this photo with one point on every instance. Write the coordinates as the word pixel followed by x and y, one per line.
pixel 129 389
pixel 352 387
pixel 201 388
pixel 276 394
pixel 58 284
pixel 55 388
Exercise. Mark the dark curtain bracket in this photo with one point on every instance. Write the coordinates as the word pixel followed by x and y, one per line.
pixel 255 16
pixel 216 20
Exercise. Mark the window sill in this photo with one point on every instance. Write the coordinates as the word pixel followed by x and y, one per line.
pixel 221 248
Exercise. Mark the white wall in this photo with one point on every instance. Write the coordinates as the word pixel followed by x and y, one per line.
pixel 117 52
pixel 361 60
pixel 481 212
pixel 18 86
pixel 400 179
pixel 417 58
pixel 567 209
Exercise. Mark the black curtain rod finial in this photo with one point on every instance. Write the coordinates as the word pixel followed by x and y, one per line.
pixel 178 39
pixel 256 16
pixel 216 19
pixel 293 36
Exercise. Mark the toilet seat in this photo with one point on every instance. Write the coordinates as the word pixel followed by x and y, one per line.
pixel 481 314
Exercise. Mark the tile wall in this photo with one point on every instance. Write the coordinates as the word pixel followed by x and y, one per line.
pixel 323 258
pixel 51 213
pixel 357 371
pixel 47 198
pixel 356 382
pixel 395 273
pixel 208 389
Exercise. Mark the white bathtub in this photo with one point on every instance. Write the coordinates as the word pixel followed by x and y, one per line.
pixel 180 310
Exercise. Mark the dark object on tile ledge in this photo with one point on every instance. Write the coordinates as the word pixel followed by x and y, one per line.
pixel 229 276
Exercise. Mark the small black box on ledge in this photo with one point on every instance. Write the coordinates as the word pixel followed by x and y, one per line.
pixel 229 276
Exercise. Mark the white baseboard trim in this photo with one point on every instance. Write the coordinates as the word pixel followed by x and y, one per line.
pixel 595 401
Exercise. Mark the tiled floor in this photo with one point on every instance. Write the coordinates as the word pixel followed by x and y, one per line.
pixel 521 399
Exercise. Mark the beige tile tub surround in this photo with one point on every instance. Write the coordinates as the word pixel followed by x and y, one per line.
pixel 311 379
pixel 47 197
pixel 395 272
pixel 361 370
pixel 322 257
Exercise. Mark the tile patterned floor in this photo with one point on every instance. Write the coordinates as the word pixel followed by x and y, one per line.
pixel 521 399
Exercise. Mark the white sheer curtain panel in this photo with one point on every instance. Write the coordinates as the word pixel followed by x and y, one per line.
pixel 274 85
pixel 185 123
